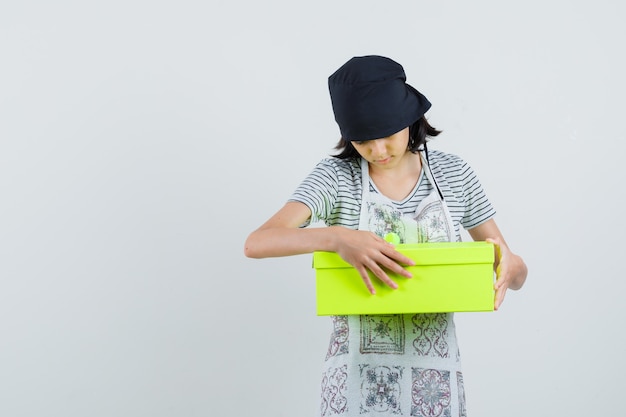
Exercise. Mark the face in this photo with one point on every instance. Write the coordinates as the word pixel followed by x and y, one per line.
pixel 385 152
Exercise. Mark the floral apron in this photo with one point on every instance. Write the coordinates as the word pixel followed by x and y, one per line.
pixel 396 364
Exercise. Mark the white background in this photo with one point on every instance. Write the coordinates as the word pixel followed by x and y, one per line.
pixel 142 141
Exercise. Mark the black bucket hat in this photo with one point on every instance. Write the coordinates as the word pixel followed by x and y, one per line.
pixel 371 99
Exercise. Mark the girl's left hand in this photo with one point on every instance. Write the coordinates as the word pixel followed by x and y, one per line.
pixel 510 270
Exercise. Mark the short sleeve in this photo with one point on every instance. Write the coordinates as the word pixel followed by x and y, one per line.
pixel 332 191
pixel 478 208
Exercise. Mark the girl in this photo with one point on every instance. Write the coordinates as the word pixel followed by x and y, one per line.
pixel 383 181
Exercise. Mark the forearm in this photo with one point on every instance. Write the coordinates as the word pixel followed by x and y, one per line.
pixel 274 242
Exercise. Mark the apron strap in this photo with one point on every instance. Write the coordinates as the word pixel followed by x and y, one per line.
pixel 365 191
pixel 429 172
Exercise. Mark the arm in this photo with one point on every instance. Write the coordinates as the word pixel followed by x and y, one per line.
pixel 282 236
pixel 511 271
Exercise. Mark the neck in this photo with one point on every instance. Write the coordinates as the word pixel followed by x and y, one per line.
pixel 409 166
pixel 397 182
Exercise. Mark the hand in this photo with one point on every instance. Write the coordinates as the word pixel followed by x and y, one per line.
pixel 510 270
pixel 367 251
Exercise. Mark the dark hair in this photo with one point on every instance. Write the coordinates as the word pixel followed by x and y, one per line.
pixel 419 133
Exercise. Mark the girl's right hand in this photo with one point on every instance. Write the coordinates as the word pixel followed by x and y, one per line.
pixel 282 235
pixel 366 251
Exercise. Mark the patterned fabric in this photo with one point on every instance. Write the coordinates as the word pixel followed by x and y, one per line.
pixel 393 365
pixel 334 401
pixel 382 334
pixel 459 381
pixel 396 364
pixel 380 389
pixel 430 393
pixel 339 338
pixel 431 332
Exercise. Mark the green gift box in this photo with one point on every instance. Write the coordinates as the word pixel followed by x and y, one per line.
pixel 447 277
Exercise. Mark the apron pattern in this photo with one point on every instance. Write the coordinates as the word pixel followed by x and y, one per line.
pixel 432 225
pixel 431 332
pixel 339 338
pixel 385 219
pixel 334 386
pixel 430 393
pixel 461 394
pixel 380 389
pixel 382 334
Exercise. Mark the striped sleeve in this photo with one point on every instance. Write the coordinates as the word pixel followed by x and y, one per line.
pixel 332 192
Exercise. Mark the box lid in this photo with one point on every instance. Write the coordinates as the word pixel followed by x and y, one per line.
pixel 440 253
pixel 447 277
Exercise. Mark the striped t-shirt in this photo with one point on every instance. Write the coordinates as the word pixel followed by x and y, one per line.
pixel 332 191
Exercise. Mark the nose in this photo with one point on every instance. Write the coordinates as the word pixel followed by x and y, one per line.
pixel 377 147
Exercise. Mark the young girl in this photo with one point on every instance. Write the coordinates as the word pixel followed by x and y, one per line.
pixel 384 182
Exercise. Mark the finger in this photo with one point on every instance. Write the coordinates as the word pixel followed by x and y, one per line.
pixel 499 298
pixel 392 253
pixel 380 274
pixel 500 278
pixel 367 281
pixel 394 267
